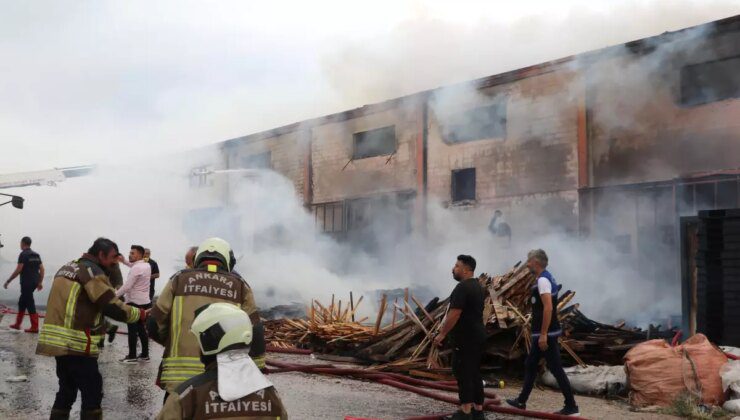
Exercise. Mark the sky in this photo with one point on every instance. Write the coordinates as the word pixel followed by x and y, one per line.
pixel 110 81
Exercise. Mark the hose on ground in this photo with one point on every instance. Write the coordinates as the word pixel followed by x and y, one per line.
pixel 412 385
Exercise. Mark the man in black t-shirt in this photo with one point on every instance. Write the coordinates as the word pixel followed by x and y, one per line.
pixel 464 323
pixel 31 270
pixel 155 272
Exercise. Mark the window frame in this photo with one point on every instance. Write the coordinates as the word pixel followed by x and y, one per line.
pixel 502 109
pixel 695 101
pixel 355 155
pixel 453 186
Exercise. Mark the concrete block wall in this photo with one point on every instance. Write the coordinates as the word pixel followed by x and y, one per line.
pixel 287 155
pixel 639 130
pixel 537 160
pixel 336 178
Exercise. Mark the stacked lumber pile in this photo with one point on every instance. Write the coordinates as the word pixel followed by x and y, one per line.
pixel 328 329
pixel 405 343
pixel 589 342
pixel 409 345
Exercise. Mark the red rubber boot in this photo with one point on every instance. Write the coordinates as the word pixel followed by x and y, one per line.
pixel 34 324
pixel 18 320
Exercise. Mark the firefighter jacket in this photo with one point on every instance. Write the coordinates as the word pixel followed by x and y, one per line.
pixel 198 398
pixel 172 316
pixel 80 296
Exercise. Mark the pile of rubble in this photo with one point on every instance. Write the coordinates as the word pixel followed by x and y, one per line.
pixel 405 344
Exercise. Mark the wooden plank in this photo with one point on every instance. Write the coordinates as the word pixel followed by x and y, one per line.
pixel 406 297
pixel 352 314
pixel 423 310
pixel 395 305
pixel 414 318
pixel 352 306
pixel 381 311
pixel 570 351
pixel 500 311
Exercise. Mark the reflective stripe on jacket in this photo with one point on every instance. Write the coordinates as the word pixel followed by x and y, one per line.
pixel 173 314
pixel 80 294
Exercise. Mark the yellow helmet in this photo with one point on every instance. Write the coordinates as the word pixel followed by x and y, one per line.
pixel 220 325
pixel 218 249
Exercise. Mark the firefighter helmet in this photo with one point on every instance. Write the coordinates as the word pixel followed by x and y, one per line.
pixel 215 249
pixel 221 325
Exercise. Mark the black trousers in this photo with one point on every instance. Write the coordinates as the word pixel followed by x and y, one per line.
pixel 26 302
pixel 466 360
pixel 554 364
pixel 78 373
pixel 137 331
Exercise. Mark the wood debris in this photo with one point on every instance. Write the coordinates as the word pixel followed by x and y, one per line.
pixel 405 343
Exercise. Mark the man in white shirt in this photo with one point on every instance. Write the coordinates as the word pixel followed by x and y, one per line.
pixel 545 329
pixel 136 292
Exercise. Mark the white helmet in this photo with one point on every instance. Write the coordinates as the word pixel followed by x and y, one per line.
pixel 220 325
pixel 217 249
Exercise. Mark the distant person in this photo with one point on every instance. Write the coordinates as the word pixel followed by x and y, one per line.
pixel 136 292
pixel 499 228
pixel 80 295
pixel 31 270
pixel 232 385
pixel 465 323
pixel 116 281
pixel 190 257
pixel 545 329
pixel 211 281
pixel 155 272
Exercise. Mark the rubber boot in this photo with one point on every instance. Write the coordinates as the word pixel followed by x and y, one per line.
pixel 34 324
pixel 18 320
pixel 59 414
pixel 96 414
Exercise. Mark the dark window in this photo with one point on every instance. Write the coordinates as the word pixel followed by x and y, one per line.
pixel 463 185
pixel 727 195
pixel 329 217
pixel 710 82
pixel 378 142
pixel 259 161
pixel 486 122
pixel 704 196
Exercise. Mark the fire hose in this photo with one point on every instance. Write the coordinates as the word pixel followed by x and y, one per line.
pixel 4 310
pixel 412 385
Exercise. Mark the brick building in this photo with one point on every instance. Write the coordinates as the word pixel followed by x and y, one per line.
pixel 617 144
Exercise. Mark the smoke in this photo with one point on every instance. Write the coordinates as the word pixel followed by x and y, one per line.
pixel 144 203
pixel 428 51
pixel 281 254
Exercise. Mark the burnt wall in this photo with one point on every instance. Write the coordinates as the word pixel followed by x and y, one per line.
pixel 643 129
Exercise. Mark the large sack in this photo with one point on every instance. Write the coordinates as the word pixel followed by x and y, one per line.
pixel 593 380
pixel 735 351
pixel 658 373
pixel 730 374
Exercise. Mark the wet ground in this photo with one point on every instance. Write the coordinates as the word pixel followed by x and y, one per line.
pixel 130 392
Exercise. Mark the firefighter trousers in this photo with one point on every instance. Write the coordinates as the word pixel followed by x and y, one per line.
pixel 78 373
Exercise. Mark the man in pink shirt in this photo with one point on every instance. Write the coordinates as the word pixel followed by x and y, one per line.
pixel 135 291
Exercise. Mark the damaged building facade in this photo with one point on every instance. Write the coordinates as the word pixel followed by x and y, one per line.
pixel 623 144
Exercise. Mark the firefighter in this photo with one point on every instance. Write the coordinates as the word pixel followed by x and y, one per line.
pixel 80 296
pixel 232 386
pixel 211 281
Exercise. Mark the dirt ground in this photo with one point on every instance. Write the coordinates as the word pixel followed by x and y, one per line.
pixel 130 391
